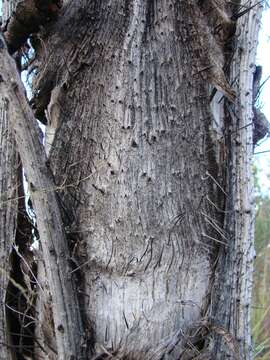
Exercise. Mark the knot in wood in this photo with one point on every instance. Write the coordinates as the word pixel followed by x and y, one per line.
pixel 60 328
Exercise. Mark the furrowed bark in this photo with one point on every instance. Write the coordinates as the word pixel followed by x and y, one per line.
pixel 132 97
pixel 153 173
pixel 159 184
pixel 66 312
pixel 9 182
pixel 232 295
pixel 8 215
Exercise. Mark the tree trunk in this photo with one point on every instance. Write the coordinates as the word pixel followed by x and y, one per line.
pixel 148 106
pixel 9 185
pixel 8 207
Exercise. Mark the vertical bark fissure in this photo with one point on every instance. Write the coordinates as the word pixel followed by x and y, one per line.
pixel 145 186
pixel 9 181
pixel 8 216
pixel 145 174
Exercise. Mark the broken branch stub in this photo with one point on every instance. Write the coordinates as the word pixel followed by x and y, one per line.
pixel 66 312
pixel 27 18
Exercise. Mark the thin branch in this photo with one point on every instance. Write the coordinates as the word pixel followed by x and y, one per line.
pixel 261 152
pixel 261 86
pixel 20 313
pixel 28 267
pixel 245 11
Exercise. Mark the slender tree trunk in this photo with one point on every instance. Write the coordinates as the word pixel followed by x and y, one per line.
pixel 9 182
pixel 8 209
pixel 148 106
pixel 67 317
pixel 233 286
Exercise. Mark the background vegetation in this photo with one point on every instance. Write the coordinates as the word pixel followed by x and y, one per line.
pixel 261 287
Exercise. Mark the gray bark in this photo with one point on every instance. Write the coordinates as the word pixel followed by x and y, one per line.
pixel 8 216
pixel 148 107
pixel 67 319
pixel 9 182
pixel 146 168
pixel 233 287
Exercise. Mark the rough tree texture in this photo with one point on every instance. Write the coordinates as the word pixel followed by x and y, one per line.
pixel 9 181
pixel 151 148
pixel 8 215
pixel 29 16
pixel 66 313
pixel 232 300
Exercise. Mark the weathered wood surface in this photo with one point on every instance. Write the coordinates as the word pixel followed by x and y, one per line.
pixel 9 182
pixel 234 286
pixel 67 319
pixel 155 178
pixel 150 167
pixel 8 215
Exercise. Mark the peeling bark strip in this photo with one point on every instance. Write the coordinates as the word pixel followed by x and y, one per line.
pixel 27 18
pixel 67 317
pixel 231 297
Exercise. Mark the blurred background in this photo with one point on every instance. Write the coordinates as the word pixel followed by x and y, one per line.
pixel 261 288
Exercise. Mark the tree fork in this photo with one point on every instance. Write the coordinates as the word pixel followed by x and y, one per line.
pixel 27 18
pixel 67 316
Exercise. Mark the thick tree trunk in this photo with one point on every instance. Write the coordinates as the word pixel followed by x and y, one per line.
pixel 151 149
